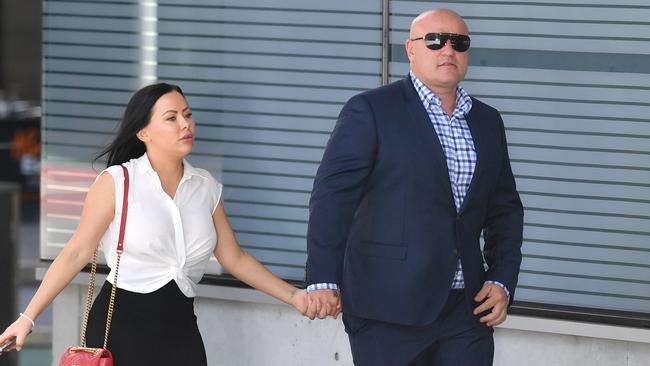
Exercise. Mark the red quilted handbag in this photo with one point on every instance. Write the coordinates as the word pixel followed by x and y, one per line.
pixel 85 356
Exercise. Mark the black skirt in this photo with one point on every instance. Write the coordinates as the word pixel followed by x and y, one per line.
pixel 157 328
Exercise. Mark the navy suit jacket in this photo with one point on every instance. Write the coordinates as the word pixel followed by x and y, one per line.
pixel 383 224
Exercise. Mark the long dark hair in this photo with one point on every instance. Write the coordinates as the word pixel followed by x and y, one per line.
pixel 127 145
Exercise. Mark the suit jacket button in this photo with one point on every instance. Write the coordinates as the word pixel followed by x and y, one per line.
pixel 455 252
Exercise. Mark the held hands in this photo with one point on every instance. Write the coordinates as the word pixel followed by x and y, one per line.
pixel 318 303
pixel 300 301
pixel 495 301
pixel 323 303
pixel 19 329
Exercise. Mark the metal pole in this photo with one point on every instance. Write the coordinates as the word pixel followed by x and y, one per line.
pixel 385 46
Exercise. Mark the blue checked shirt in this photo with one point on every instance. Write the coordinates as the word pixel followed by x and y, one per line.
pixel 458 146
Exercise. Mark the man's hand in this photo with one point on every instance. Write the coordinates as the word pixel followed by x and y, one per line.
pixel 323 303
pixel 494 298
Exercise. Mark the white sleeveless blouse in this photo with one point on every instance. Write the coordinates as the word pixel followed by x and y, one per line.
pixel 165 239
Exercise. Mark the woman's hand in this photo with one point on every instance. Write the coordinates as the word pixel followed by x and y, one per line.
pixel 300 301
pixel 19 329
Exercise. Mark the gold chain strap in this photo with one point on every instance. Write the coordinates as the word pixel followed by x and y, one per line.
pixel 89 299
pixel 93 271
pixel 111 302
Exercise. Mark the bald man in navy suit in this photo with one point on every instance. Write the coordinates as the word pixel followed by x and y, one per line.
pixel 413 173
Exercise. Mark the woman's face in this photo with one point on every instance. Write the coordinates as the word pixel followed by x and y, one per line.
pixel 170 130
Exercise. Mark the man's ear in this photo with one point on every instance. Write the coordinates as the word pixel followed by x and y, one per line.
pixel 408 45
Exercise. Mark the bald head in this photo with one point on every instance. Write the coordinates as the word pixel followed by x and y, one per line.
pixel 440 15
pixel 440 69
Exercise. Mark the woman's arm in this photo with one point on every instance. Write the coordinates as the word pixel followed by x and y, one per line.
pixel 246 268
pixel 97 214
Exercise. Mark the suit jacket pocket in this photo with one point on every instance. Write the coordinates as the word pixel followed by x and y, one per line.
pixel 382 250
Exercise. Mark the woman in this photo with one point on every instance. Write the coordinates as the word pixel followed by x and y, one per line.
pixel 175 221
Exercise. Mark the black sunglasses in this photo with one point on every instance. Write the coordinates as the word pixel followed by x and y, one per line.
pixel 436 41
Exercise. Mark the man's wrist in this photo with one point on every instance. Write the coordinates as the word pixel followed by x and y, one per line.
pixel 505 289
pixel 322 286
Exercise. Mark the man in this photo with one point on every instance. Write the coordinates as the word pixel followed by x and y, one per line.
pixel 413 172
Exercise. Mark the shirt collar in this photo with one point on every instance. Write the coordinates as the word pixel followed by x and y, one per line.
pixel 144 166
pixel 463 100
pixel 189 171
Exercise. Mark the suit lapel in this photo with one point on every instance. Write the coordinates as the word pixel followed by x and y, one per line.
pixel 427 136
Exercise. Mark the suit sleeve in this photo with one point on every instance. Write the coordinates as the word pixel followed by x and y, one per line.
pixel 338 187
pixel 503 231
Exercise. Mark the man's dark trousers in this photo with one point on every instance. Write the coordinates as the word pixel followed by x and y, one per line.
pixel 456 338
